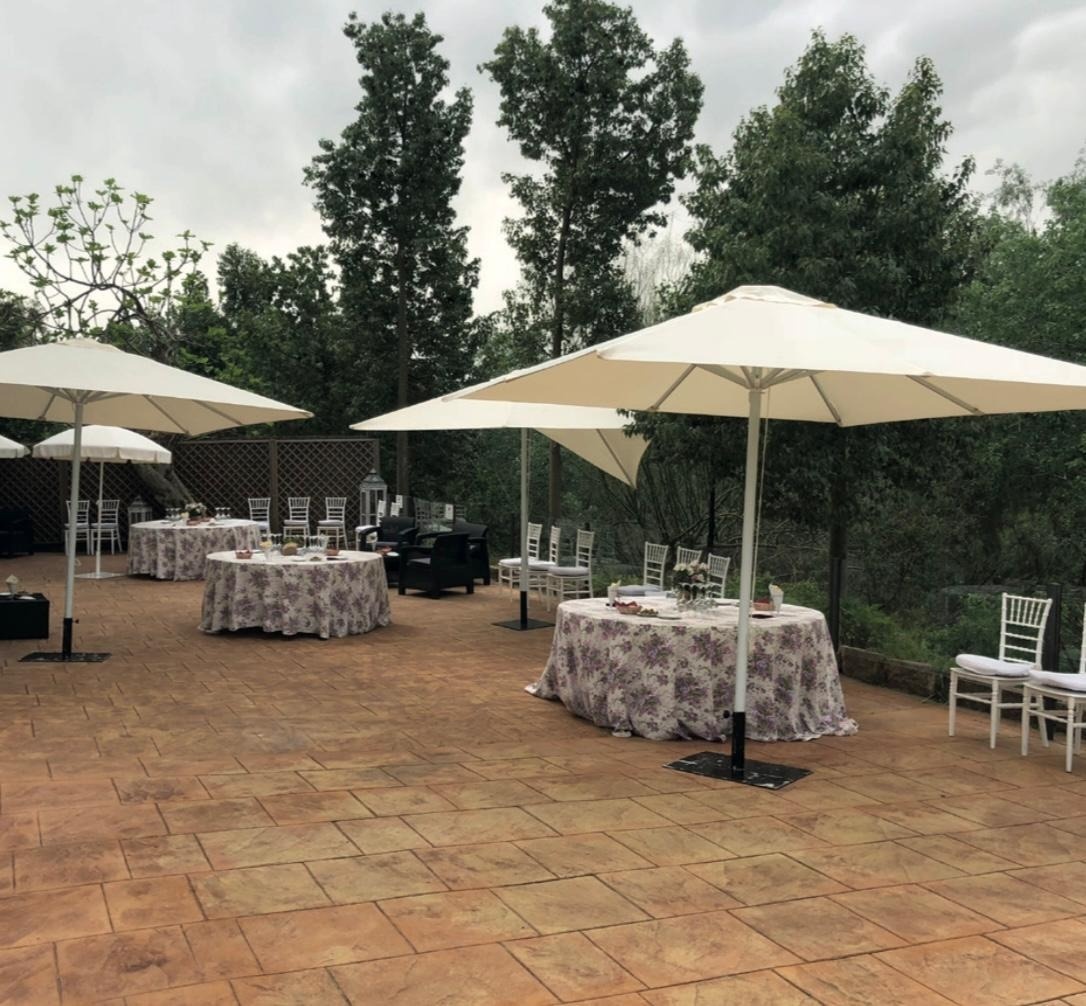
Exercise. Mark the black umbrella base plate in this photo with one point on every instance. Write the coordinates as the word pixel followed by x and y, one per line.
pixel 531 623
pixel 763 774
pixel 44 657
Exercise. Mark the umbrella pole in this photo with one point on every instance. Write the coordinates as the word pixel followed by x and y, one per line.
pixel 98 537
pixel 746 576
pixel 73 516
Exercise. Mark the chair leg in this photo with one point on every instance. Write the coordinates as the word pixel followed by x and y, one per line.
pixel 1070 738
pixel 993 724
pixel 1042 723
pixel 952 721
pixel 1027 703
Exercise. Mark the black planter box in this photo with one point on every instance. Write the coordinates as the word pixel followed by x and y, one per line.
pixel 24 619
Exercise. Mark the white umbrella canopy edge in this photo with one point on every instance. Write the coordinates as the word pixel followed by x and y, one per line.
pixel 75 380
pixel 765 352
pixel 10 449
pixel 104 444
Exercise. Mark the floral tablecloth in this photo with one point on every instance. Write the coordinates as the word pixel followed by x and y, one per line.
pixel 326 597
pixel 676 679
pixel 172 551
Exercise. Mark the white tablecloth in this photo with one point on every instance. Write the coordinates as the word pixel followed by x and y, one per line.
pixel 676 679
pixel 326 597
pixel 168 550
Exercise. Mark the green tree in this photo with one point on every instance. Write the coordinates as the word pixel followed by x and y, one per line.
pixel 384 191
pixel 88 260
pixel 610 120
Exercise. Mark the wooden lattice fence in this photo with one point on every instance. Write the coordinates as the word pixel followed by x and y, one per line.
pixel 216 472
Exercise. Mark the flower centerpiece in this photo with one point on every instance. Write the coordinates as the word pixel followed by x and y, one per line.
pixel 691 582
pixel 196 511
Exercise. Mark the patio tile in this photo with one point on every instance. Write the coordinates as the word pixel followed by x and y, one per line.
pixel 429 774
pixel 160 789
pixel 228 850
pixel 689 948
pixel 821 794
pixel 860 981
pixel 493 793
pixel 300 808
pixel 850 827
pixel 1006 899
pixel 220 950
pixel 156 901
pixel 954 851
pixel 256 891
pixel 18 831
pixel 878 865
pixel 232 786
pixel 123 964
pixel 80 824
pixel 382 834
pixel 990 811
pixel 1058 945
pixel 347 778
pixel 572 967
pixel 762 988
pixel 671 846
pixel 496 864
pixel 923 819
pixel 736 802
pixel 915 914
pixel 468 827
pixel 817 928
pixel 517 768
pixel 404 800
pixel 678 807
pixel 209 994
pixel 318 937
pixel 1028 844
pixel 42 917
pixel 753 836
pixel 161 855
pixel 556 906
pixel 596 815
pixel 575 855
pixel 469 976
pixel 367 878
pixel 28 975
pixel 1065 879
pixel 454 919
pixel 591 787
pixel 976 970
pixel 761 879
pixel 668 890
pixel 196 765
pixel 215 815
pixel 299 988
pixel 69 865
pixel 17 797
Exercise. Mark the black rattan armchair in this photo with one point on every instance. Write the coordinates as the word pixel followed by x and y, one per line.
pixel 478 547
pixel 445 564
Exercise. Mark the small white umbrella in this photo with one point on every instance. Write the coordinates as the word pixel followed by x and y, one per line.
pixel 12 449
pixel 80 380
pixel 103 444
pixel 597 435
pixel 761 350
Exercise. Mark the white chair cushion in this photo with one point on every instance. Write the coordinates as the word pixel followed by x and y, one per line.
pixel 1054 679
pixel 569 571
pixel 532 563
pixel 639 590
pixel 990 667
pixel 329 523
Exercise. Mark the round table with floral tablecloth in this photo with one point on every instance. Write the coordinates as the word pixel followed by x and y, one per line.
pixel 178 550
pixel 341 596
pixel 676 679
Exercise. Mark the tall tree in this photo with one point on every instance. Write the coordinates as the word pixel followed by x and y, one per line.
pixel 384 191
pixel 610 119
pixel 838 191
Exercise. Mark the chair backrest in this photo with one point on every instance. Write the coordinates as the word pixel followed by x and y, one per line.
pixel 471 529
pixel 298 507
pixel 585 542
pixel 335 508
pixel 535 532
pixel 382 507
pixel 554 546
pixel 718 569
pixel 655 563
pixel 82 510
pixel 259 508
pixel 1022 628
pixel 109 512
pixel 685 556
pixel 450 548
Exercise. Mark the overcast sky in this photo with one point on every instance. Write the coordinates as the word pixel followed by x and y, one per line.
pixel 213 107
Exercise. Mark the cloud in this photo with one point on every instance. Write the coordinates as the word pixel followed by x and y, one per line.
pixel 215 109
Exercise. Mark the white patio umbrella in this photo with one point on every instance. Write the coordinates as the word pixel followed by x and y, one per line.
pixel 761 352
pixel 80 380
pixel 114 444
pixel 12 449
pixel 597 435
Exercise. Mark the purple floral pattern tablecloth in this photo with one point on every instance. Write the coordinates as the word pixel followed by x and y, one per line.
pixel 329 597
pixel 676 679
pixel 179 552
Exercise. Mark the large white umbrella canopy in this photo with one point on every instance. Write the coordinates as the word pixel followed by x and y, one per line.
pixel 80 380
pixel 113 444
pixel 762 351
pixel 12 448
pixel 595 434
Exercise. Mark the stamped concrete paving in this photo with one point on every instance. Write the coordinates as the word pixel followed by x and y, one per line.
pixel 391 819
